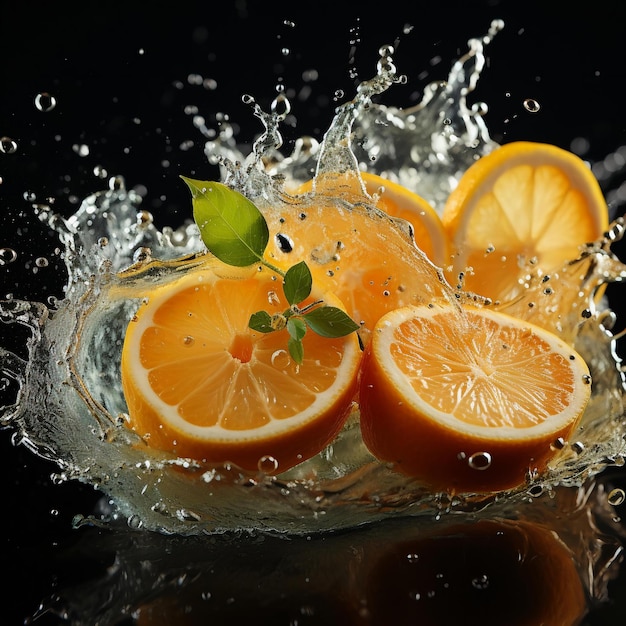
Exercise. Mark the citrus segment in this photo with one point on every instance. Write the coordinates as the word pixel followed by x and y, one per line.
pixel 201 384
pixel 524 206
pixel 468 400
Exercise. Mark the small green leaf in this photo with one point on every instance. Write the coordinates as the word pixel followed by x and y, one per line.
pixel 330 321
pixel 297 283
pixel 261 321
pixel 231 226
pixel 296 328
pixel 296 349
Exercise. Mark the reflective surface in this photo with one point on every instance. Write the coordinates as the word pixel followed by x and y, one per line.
pixel 125 90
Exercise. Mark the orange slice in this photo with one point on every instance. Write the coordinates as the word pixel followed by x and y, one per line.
pixel 524 207
pixel 396 201
pixel 468 400
pixel 200 384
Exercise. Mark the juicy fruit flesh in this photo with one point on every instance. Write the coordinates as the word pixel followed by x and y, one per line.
pixel 468 401
pixel 487 375
pixel 525 207
pixel 216 371
pixel 201 384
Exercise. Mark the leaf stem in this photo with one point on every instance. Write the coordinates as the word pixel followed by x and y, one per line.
pixel 272 267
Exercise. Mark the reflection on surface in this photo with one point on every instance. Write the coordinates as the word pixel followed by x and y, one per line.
pixel 547 564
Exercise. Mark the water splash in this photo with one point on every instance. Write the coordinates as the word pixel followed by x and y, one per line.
pixel 69 406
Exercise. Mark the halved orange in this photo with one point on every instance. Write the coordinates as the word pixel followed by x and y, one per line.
pixel 201 384
pixel 468 400
pixel 358 252
pixel 525 207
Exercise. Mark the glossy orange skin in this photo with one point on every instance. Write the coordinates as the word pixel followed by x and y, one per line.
pixel 425 449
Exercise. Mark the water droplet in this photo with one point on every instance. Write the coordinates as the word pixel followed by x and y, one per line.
pixel 81 149
pixel 558 444
pixel 144 218
pixel 142 255
pixel 7 145
pixel 616 497
pixel 117 183
pixel 100 171
pixel 480 582
pixel 29 196
pixel 185 515
pixel 284 242
pixel 578 447
pixel 134 522
pixel 41 261
pixel 280 359
pixel 188 340
pixel 272 298
pixel 412 557
pixel 267 464
pixel 45 102
pixel 531 105
pixel 7 255
pixel 480 461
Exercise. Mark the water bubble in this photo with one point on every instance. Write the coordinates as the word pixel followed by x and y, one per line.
pixel 267 464
pixel 45 102
pixel 8 145
pixel 41 262
pixel 531 105
pixel 7 255
pixel 480 461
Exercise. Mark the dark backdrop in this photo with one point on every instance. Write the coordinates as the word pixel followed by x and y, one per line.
pixel 116 70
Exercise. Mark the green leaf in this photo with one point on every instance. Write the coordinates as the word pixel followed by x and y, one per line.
pixel 231 226
pixel 296 328
pixel 297 283
pixel 261 321
pixel 330 321
pixel 296 349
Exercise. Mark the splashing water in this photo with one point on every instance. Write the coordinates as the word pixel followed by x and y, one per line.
pixel 70 408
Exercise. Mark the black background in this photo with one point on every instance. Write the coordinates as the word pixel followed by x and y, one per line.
pixel 120 74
